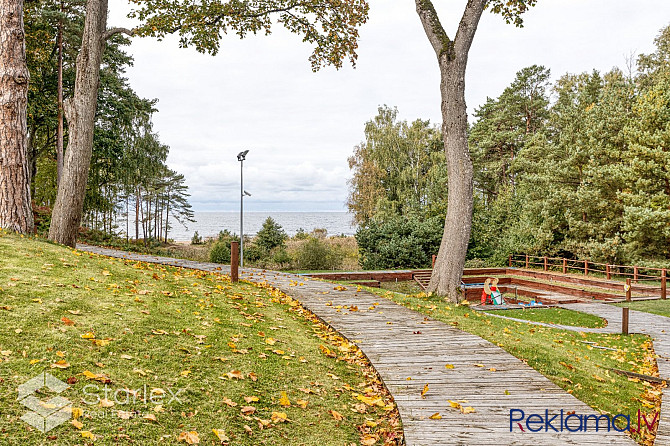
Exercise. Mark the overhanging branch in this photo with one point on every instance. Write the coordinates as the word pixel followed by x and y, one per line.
pixel 114 31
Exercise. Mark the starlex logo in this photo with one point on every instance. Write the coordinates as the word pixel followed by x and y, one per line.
pixel 572 422
pixel 44 415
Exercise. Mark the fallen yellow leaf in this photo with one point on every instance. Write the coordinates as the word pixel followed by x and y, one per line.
pixel 283 400
pixel 189 437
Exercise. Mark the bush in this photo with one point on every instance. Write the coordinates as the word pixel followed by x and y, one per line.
pixel 196 239
pixel 270 236
pixel 316 254
pixel 220 253
pixel 399 242
pixel 280 256
pixel 301 234
pixel 42 219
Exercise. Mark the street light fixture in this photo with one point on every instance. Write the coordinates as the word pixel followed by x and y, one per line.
pixel 241 157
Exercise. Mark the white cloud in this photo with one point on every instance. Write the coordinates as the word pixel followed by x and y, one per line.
pixel 260 94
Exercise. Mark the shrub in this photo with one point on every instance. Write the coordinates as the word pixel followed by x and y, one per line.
pixel 301 234
pixel 270 236
pixel 316 254
pixel 42 219
pixel 280 256
pixel 399 242
pixel 220 253
pixel 196 239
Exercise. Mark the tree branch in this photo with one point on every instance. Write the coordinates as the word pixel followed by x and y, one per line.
pixel 468 25
pixel 436 34
pixel 114 31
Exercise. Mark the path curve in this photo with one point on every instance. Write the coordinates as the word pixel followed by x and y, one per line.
pixel 653 325
pixel 402 343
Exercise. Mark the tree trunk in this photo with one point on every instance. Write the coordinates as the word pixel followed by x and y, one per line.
pixel 80 113
pixel 15 209
pixel 448 270
pixel 59 132
pixel 167 215
pixel 137 215
pixel 452 57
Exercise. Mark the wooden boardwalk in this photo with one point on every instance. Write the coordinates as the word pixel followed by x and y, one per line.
pixel 402 344
pixel 658 328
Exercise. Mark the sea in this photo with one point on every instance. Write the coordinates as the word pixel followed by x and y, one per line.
pixel 208 224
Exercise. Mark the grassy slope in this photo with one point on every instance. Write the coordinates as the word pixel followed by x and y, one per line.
pixel 560 355
pixel 169 329
pixel 660 307
pixel 554 316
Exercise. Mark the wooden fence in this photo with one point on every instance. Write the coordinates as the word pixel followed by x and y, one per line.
pixel 634 274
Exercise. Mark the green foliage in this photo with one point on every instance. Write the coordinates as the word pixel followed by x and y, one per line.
pixel 399 242
pixel 196 239
pixel 590 180
pixel 399 170
pixel 331 27
pixel 270 236
pixel 42 219
pixel 511 10
pixel 227 236
pixel 316 254
pixel 220 252
pixel 301 234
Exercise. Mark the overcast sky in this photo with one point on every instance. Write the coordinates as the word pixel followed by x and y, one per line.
pixel 260 93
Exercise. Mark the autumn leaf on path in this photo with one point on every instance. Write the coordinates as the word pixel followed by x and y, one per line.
pixel 424 391
pixel 436 416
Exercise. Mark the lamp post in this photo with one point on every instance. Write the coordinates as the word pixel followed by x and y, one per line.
pixel 241 157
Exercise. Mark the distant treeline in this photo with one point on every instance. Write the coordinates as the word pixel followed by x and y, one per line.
pixel 577 168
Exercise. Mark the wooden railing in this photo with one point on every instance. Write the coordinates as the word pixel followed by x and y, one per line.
pixel 634 273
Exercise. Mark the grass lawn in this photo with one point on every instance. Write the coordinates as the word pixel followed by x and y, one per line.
pixel 554 316
pixel 659 306
pixel 246 361
pixel 563 356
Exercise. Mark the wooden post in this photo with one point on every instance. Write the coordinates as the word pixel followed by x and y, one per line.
pixel 586 267
pixel 565 265
pixel 234 261
pixel 526 260
pixel 664 274
pixel 434 258
pixel 545 263
pixel 510 261
pixel 608 272
pixel 628 292
pixel 635 273
pixel 624 319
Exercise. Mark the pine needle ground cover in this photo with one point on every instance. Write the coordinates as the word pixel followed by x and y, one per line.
pixel 572 360
pixel 156 355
